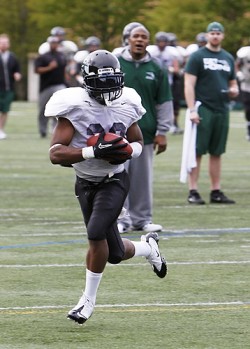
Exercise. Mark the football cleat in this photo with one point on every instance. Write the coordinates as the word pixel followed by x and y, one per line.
pixel 82 311
pixel 157 262
pixel 194 198
pixel 218 197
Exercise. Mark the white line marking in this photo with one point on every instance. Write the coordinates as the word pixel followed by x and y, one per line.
pixel 177 233
pixel 16 266
pixel 198 304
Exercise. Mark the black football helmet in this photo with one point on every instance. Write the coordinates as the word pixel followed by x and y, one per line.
pixel 102 77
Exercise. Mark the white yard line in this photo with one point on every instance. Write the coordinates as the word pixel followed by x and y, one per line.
pixel 23 266
pixel 136 305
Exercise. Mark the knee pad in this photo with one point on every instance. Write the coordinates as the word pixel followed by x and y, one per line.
pixel 115 259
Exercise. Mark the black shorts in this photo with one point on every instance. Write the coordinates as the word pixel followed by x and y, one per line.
pixel 101 204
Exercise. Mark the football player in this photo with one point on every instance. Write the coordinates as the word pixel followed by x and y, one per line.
pixel 103 105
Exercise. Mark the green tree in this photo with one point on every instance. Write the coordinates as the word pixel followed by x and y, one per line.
pixel 186 18
pixel 101 18
pixel 28 22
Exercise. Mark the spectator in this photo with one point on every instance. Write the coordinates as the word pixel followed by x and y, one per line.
pixel 169 58
pixel 177 85
pixel 92 43
pixel 243 75
pixel 51 68
pixel 9 73
pixel 151 83
pixel 101 187
pixel 125 36
pixel 201 40
pixel 68 48
pixel 210 79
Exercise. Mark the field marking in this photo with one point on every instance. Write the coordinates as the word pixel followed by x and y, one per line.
pixel 164 235
pixel 198 306
pixel 23 266
pixel 166 232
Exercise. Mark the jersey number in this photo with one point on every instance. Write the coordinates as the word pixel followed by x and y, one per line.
pixel 117 127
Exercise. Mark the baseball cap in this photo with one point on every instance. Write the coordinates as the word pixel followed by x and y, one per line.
pixel 215 27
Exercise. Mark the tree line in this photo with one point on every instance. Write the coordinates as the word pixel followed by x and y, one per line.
pixel 28 22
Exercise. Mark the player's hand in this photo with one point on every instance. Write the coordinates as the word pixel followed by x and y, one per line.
pixel 233 92
pixel 53 65
pixel 118 161
pixel 194 117
pixel 103 149
pixel 160 144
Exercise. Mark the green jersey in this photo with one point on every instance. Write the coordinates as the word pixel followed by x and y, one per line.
pixel 213 70
pixel 151 83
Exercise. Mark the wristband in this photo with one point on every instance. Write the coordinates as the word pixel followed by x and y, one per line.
pixel 193 110
pixel 88 153
pixel 54 146
pixel 137 149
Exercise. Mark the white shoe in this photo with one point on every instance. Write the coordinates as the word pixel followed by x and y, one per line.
pixel 122 228
pixel 2 135
pixel 82 311
pixel 157 262
pixel 151 227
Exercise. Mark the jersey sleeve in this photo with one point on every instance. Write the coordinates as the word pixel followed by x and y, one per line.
pixel 192 65
pixel 63 101
pixel 134 99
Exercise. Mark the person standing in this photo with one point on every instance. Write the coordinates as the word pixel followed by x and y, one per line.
pixel 92 43
pixel 51 68
pixel 151 83
pixel 102 105
pixel 243 76
pixel 170 59
pixel 9 74
pixel 201 40
pixel 210 79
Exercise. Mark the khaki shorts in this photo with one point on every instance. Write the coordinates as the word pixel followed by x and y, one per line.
pixel 212 132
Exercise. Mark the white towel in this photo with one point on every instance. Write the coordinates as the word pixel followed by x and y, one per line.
pixel 189 146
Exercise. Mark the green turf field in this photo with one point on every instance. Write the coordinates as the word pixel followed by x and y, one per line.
pixel 204 302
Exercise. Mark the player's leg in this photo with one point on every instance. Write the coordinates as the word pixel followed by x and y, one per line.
pixel 101 205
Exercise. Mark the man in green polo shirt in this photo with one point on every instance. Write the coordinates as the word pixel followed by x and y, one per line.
pixel 210 79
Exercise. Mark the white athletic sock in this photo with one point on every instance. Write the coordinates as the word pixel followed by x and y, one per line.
pixel 92 283
pixel 142 248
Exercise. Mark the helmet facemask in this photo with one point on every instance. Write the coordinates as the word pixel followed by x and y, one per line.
pixel 105 86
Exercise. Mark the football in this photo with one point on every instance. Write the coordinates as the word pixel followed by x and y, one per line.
pixel 109 137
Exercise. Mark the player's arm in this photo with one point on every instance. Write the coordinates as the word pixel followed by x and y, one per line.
pixel 233 88
pixel 63 154
pixel 60 152
pixel 135 138
pixel 189 92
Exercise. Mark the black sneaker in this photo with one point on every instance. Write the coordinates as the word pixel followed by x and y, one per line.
pixel 218 197
pixel 194 198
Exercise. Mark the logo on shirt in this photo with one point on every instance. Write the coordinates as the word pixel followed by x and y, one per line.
pixel 150 75
pixel 216 64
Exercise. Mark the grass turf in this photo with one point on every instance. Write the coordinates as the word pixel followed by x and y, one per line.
pixel 202 304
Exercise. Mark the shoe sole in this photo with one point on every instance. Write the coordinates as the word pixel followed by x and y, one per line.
pixel 163 272
pixel 196 202
pixel 221 202
pixel 76 318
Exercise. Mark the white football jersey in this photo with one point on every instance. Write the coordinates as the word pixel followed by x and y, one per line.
pixel 89 117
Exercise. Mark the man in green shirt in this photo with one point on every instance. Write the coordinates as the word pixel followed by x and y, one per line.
pixel 210 79
pixel 144 74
